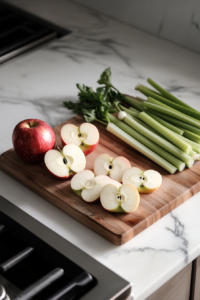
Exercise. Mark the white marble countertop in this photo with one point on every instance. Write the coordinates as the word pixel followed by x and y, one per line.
pixel 35 85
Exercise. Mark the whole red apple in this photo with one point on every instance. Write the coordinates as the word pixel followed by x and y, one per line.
pixel 32 138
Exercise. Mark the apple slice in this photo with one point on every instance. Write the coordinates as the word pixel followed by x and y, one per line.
pixel 86 136
pixel 145 181
pixel 87 186
pixel 120 198
pixel 65 163
pixel 112 167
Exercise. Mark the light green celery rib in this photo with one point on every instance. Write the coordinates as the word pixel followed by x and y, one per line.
pixel 194 155
pixel 134 109
pixel 133 113
pixel 172 113
pixel 148 89
pixel 133 102
pixel 140 99
pixel 192 136
pixel 145 125
pixel 180 165
pixel 160 141
pixel 148 92
pixel 195 146
pixel 168 95
pixel 120 130
pixel 166 124
pixel 181 124
pixel 183 109
pixel 167 133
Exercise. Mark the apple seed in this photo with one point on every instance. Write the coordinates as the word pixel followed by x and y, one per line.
pixel 65 160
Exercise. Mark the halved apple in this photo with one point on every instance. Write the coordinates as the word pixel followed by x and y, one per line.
pixel 86 136
pixel 112 167
pixel 145 181
pixel 87 186
pixel 65 163
pixel 120 198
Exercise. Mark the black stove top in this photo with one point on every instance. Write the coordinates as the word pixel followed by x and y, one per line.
pixel 21 31
pixel 37 264
pixel 35 268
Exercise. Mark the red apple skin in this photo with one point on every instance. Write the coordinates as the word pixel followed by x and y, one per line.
pixel 32 138
pixel 87 149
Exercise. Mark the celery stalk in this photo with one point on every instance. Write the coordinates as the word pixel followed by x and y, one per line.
pixel 145 125
pixel 181 124
pixel 168 95
pixel 192 136
pixel 195 146
pixel 175 107
pixel 194 155
pixel 120 133
pixel 148 92
pixel 170 112
pixel 160 141
pixel 181 108
pixel 134 109
pixel 180 165
pixel 166 124
pixel 133 102
pixel 133 113
pixel 167 133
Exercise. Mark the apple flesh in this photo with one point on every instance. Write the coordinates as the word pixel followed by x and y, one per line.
pixel 87 186
pixel 32 138
pixel 86 136
pixel 120 198
pixel 145 181
pixel 112 167
pixel 64 164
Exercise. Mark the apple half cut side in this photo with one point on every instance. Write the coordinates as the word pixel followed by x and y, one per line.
pixel 64 164
pixel 87 186
pixel 120 199
pixel 86 136
pixel 145 181
pixel 112 167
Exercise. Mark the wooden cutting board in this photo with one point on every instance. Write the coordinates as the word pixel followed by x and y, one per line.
pixel 117 228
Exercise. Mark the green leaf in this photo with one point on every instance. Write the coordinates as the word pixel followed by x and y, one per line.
pixel 89 115
pixel 105 77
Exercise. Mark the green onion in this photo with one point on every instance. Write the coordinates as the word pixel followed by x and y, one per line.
pixel 170 112
pixel 166 124
pixel 121 130
pixel 168 134
pixel 167 95
pixel 160 141
pixel 183 125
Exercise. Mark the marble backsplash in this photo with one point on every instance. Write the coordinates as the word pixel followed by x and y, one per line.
pixel 174 20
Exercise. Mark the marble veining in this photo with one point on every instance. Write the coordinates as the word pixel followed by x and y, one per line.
pixel 35 85
pixel 176 21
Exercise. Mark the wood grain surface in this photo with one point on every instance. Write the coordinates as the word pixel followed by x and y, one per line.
pixel 118 228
